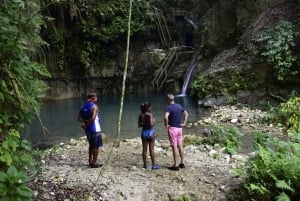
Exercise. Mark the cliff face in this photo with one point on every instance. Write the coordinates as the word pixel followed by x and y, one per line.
pixel 214 30
pixel 241 55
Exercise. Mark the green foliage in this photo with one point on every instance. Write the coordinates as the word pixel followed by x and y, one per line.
pixel 13 186
pixel 19 74
pixel 218 84
pixel 273 174
pixel 264 105
pixel 262 139
pixel 277 43
pixel 286 114
pixel 90 31
pixel 274 116
pixel 113 18
pixel 230 99
pixel 291 113
pixel 188 197
pixel 20 87
pixel 16 152
pixel 283 197
pixel 226 137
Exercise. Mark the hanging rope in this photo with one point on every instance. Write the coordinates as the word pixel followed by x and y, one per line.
pixel 117 142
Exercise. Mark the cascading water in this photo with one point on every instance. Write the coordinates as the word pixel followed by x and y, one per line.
pixel 191 67
pixel 188 76
pixel 191 22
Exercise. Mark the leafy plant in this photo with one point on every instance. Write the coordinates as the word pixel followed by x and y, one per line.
pixel 273 173
pixel 20 75
pixel 21 71
pixel 93 31
pixel 16 152
pixel 13 186
pixel 264 105
pixel 228 138
pixel 291 111
pixel 189 197
pixel 277 43
pixel 217 84
pixel 262 139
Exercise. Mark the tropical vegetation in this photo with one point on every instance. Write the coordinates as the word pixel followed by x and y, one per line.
pixel 272 174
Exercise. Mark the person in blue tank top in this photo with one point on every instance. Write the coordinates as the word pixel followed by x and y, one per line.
pixel 89 116
pixel 146 121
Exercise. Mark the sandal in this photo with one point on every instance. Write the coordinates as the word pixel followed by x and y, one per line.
pixel 174 168
pixel 155 167
pixel 181 165
pixel 97 165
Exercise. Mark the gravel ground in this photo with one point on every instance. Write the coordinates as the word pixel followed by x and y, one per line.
pixel 66 176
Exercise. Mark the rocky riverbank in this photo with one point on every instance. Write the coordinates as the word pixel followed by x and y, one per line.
pixel 66 176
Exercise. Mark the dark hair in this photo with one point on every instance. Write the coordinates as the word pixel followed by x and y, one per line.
pixel 144 106
pixel 91 95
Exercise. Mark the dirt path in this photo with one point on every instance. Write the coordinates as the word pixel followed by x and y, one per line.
pixel 123 178
pixel 66 176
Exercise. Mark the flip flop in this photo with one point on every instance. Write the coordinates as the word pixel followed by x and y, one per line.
pixel 181 165
pixel 174 168
pixel 97 165
pixel 155 167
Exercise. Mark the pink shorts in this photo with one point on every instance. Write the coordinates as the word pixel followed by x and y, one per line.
pixel 175 135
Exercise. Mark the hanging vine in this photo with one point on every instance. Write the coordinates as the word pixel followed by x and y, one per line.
pixel 117 140
pixel 90 32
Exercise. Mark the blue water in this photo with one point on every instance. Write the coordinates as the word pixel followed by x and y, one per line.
pixel 60 118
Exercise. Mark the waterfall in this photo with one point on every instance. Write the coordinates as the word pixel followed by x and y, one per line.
pixel 191 22
pixel 191 67
pixel 187 76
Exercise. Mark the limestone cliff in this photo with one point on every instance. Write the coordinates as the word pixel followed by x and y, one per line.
pixel 213 30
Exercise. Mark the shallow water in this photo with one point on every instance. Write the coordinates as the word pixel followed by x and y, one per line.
pixel 60 118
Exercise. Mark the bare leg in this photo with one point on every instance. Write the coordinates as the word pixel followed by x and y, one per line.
pixel 174 149
pixel 90 155
pixel 95 155
pixel 144 153
pixel 151 149
pixel 181 152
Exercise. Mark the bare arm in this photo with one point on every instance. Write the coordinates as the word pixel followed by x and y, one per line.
pixel 140 121
pixel 185 117
pixel 152 119
pixel 166 119
pixel 79 118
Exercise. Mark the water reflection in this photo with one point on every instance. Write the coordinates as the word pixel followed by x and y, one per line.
pixel 60 118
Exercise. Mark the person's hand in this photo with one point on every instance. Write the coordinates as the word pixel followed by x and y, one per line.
pixel 83 126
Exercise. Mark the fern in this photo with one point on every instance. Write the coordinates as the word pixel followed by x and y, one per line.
pixel 284 185
pixel 265 155
pixel 283 197
pixel 259 188
pixel 273 174
pixel 228 138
